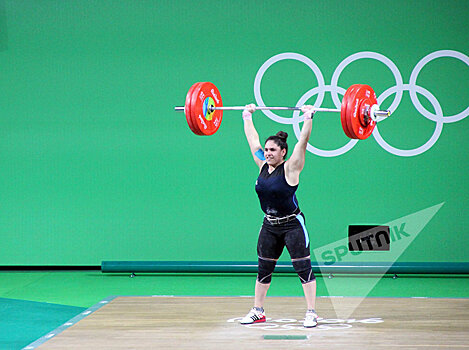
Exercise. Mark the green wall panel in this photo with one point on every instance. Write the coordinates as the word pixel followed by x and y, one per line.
pixel 96 165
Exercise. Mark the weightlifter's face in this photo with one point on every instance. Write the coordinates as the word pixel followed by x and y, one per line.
pixel 273 153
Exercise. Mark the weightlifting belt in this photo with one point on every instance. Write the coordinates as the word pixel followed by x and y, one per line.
pixel 275 220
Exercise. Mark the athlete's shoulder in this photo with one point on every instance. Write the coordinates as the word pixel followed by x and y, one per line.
pixel 263 167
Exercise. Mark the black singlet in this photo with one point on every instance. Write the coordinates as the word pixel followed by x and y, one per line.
pixel 276 196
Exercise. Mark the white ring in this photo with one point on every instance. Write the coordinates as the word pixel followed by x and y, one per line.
pixel 413 81
pixel 271 61
pixel 297 120
pixel 373 55
pixel 427 145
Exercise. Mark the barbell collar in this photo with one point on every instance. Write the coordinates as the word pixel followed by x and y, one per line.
pixel 385 113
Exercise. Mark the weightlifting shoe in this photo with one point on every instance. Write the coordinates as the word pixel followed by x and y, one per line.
pixel 253 316
pixel 311 319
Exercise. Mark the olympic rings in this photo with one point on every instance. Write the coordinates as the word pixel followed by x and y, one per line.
pixel 398 90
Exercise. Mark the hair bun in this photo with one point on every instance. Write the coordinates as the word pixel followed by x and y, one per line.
pixel 282 134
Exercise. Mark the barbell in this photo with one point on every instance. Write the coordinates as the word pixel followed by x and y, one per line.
pixel 358 113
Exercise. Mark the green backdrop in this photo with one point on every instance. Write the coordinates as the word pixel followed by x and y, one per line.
pixel 96 165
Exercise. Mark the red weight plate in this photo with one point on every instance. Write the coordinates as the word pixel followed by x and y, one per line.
pixel 343 107
pixel 193 103
pixel 188 110
pixel 193 115
pixel 364 98
pixel 187 105
pixel 350 109
pixel 353 105
pixel 366 107
pixel 345 110
pixel 205 95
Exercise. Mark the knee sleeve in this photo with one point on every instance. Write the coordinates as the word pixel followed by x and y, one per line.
pixel 265 269
pixel 304 271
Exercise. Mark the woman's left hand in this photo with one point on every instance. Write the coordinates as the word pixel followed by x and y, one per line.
pixel 308 111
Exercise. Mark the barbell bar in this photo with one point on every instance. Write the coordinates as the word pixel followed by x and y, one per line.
pixel 377 113
pixel 359 110
pixel 262 108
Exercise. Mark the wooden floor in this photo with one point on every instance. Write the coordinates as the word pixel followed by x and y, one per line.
pixel 212 323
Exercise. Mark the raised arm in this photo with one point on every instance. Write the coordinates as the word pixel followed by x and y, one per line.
pixel 295 164
pixel 252 136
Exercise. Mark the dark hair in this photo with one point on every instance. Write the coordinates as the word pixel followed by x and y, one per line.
pixel 280 140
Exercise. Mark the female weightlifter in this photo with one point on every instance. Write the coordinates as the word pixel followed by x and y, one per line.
pixel 284 223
